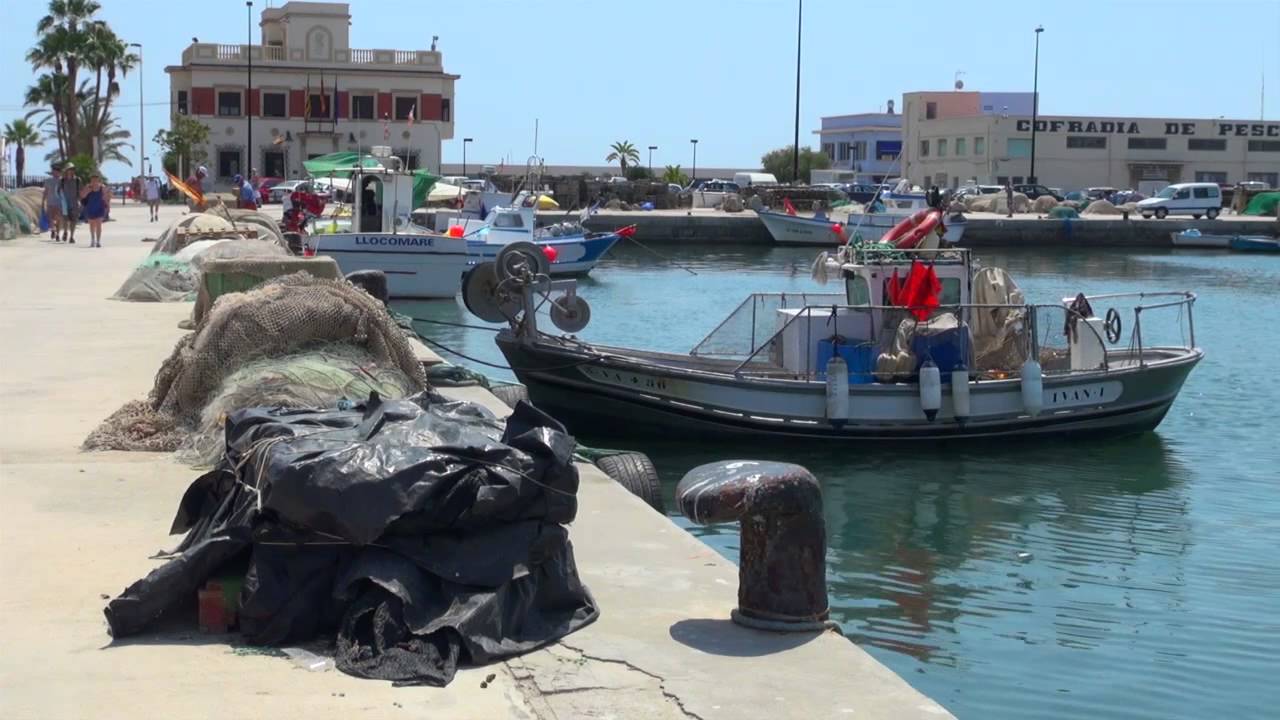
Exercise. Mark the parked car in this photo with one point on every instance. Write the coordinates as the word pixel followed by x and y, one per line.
pixel 714 185
pixel 280 189
pixel 861 193
pixel 1194 199
pixel 747 179
pixel 264 188
pixel 1099 193
pixel 973 190
pixel 1033 191
pixel 1253 185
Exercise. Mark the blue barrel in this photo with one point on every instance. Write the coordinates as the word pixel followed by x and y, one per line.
pixel 860 358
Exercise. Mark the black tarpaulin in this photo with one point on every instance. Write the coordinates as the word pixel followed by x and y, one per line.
pixel 423 532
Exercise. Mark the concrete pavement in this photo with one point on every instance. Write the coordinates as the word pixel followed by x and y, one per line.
pixel 78 527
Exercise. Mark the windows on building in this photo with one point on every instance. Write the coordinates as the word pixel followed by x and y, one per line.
pixel 1002 180
pixel 924 148
pixel 940 180
pixel 228 163
pixel 182 102
pixel 1211 176
pixel 362 107
pixel 406 107
pixel 1141 143
pixel 928 180
pixel 888 149
pixel 1018 179
pixel 1206 144
pixel 942 147
pixel 273 163
pixel 1271 179
pixel 842 151
pixel 930 110
pixel 320 107
pixel 446 109
pixel 274 104
pixel 1264 146
pixel 859 151
pixel 410 157
pixel 829 149
pixel 1019 148
pixel 229 103
pixel 1087 142
pixel 979 146
pixel 961 150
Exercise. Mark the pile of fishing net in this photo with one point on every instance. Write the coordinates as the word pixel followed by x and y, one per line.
pixel 284 317
pixel 1101 207
pixel 1063 212
pixel 998 203
pixel 19 212
pixel 1044 204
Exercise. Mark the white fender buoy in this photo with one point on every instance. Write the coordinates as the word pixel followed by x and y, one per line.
pixel 837 390
pixel 1032 387
pixel 930 389
pixel 960 393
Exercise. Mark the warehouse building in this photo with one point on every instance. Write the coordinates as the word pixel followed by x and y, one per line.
pixel 953 138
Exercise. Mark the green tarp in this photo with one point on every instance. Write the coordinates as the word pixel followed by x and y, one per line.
pixel 339 164
pixel 1265 203
pixel 422 183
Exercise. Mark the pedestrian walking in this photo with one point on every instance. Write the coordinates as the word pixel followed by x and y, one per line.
pixel 52 198
pixel 70 187
pixel 1008 194
pixel 152 190
pixel 96 200
pixel 247 195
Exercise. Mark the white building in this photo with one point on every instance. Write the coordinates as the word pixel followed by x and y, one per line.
pixel 311 94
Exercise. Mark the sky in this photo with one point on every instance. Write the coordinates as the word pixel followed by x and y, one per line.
pixel 660 72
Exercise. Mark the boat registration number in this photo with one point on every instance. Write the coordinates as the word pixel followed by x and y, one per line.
pixel 1078 395
pixel 622 378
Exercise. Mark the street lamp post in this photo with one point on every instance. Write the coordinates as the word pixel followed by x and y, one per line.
pixel 795 148
pixel 1035 105
pixel 248 92
pixel 142 131
pixel 694 175
pixel 651 149
pixel 464 155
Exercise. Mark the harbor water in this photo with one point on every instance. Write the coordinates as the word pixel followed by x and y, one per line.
pixel 1127 577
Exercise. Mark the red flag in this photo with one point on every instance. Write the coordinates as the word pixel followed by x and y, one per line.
pixel 786 205
pixel 921 291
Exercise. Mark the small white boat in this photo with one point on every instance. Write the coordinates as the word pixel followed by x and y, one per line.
pixel 576 251
pixel 841 226
pixel 1193 238
pixel 379 236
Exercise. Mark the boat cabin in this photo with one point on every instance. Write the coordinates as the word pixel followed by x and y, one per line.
pixel 867 276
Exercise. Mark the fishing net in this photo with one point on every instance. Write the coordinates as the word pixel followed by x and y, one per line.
pixel 285 315
pixel 1064 212
pixel 319 378
pixel 1044 204
pixel 159 278
pixel 1101 207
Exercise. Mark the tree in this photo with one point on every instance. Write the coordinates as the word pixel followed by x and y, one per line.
pixel 101 136
pixel 46 96
pixel 638 172
pixel 781 161
pixel 21 134
pixel 673 174
pixel 185 142
pixel 623 153
pixel 109 55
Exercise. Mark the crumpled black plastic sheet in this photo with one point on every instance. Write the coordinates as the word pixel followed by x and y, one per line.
pixel 424 532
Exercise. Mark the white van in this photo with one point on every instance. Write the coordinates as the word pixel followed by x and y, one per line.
pixel 1194 199
pixel 747 179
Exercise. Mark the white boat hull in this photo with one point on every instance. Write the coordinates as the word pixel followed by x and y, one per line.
pixel 1201 241
pixel 869 228
pixel 416 266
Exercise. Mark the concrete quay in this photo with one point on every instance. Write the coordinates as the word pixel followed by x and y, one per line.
pixel 705 225
pixel 80 526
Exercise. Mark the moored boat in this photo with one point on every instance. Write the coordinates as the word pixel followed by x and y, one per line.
pixel 1193 238
pixel 881 361
pixel 840 227
pixel 576 251
pixel 1255 243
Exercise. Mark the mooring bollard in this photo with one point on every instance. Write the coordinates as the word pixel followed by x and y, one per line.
pixel 782 580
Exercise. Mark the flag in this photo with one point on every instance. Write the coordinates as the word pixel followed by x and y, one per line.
pixel 386 128
pixel 786 205
pixel 324 99
pixel 193 193
pixel 306 103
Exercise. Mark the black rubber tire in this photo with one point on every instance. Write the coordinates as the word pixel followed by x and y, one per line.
pixel 635 472
pixel 1195 216
pixel 1161 213
pixel 1212 213
pixel 510 394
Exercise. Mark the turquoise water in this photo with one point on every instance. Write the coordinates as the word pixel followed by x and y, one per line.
pixel 1126 578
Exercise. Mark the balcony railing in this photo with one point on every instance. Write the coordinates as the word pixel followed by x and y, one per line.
pixel 268 54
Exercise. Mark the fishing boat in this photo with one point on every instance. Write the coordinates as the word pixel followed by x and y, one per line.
pixel 1255 243
pixel 841 226
pixel 1193 238
pixel 575 250
pixel 378 235
pixel 919 345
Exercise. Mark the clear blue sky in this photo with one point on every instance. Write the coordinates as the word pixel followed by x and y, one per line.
pixel 659 72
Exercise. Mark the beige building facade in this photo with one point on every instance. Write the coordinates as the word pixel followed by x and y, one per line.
pixel 311 94
pixel 949 146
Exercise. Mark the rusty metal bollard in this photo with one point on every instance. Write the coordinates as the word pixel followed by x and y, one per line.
pixel 782 580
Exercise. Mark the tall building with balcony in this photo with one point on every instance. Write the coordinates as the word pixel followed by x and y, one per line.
pixel 863 148
pixel 311 94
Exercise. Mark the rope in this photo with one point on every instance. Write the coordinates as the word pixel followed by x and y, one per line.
pixel 454 324
pixel 446 348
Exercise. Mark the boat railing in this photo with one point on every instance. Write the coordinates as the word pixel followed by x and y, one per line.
pixel 997 338
pixel 1167 314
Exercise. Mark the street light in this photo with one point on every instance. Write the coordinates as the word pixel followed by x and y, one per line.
pixel 248 92
pixel 795 151
pixel 142 132
pixel 1035 105
pixel 464 155
pixel 651 149
pixel 694 176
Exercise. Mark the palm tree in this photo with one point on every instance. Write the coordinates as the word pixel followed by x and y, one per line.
pixel 100 134
pixel 623 152
pixel 107 53
pixel 21 134
pixel 46 97
pixel 673 174
pixel 62 48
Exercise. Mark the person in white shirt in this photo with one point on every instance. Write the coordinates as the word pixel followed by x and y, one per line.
pixel 151 188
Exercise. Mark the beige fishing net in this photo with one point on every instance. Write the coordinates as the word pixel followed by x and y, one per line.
pixel 287 315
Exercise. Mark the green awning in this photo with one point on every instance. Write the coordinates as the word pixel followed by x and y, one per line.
pixel 422 182
pixel 339 164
